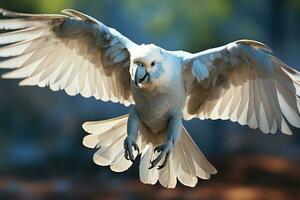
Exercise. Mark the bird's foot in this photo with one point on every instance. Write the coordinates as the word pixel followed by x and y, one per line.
pixel 164 151
pixel 129 145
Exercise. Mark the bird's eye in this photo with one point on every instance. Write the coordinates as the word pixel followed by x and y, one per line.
pixel 152 63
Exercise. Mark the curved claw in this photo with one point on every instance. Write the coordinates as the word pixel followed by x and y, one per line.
pixel 158 148
pixel 127 155
pixel 128 144
pixel 165 161
pixel 135 146
pixel 164 151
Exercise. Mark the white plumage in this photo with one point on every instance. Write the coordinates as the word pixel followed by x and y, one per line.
pixel 185 164
pixel 247 84
pixel 242 81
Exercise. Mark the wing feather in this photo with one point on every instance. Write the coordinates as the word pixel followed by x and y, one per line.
pixel 246 83
pixel 71 52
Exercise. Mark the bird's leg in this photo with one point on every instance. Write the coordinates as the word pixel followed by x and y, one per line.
pixel 132 131
pixel 174 131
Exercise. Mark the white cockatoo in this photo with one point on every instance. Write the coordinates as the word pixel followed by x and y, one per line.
pixel 242 81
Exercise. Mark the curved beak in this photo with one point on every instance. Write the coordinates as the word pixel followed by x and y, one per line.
pixel 140 73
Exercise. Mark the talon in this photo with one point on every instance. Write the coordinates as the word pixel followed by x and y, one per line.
pixel 159 148
pixel 164 151
pixel 151 165
pixel 131 157
pixel 128 144
pixel 126 155
pixel 136 148
pixel 165 161
pixel 156 150
pixel 160 167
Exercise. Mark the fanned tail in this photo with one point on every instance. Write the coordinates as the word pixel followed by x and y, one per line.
pixel 186 162
pixel 108 136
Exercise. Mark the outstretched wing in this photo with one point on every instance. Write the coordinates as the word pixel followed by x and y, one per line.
pixel 244 82
pixel 71 51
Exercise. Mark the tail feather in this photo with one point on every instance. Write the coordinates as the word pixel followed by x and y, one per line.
pixel 99 127
pixel 199 159
pixel 186 172
pixel 168 174
pixel 186 161
pixel 121 164
pixel 109 136
pixel 106 155
pixel 148 176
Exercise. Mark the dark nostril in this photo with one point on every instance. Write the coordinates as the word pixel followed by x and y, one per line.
pixel 140 64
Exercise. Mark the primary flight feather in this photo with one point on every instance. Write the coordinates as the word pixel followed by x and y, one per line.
pixel 242 81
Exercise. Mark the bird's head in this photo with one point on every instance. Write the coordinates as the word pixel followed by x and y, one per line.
pixel 150 67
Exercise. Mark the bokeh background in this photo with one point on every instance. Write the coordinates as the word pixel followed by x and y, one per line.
pixel 41 155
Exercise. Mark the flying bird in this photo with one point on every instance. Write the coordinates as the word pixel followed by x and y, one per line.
pixel 242 81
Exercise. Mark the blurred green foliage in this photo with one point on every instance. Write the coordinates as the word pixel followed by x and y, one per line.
pixel 187 24
pixel 50 6
pixel 197 20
